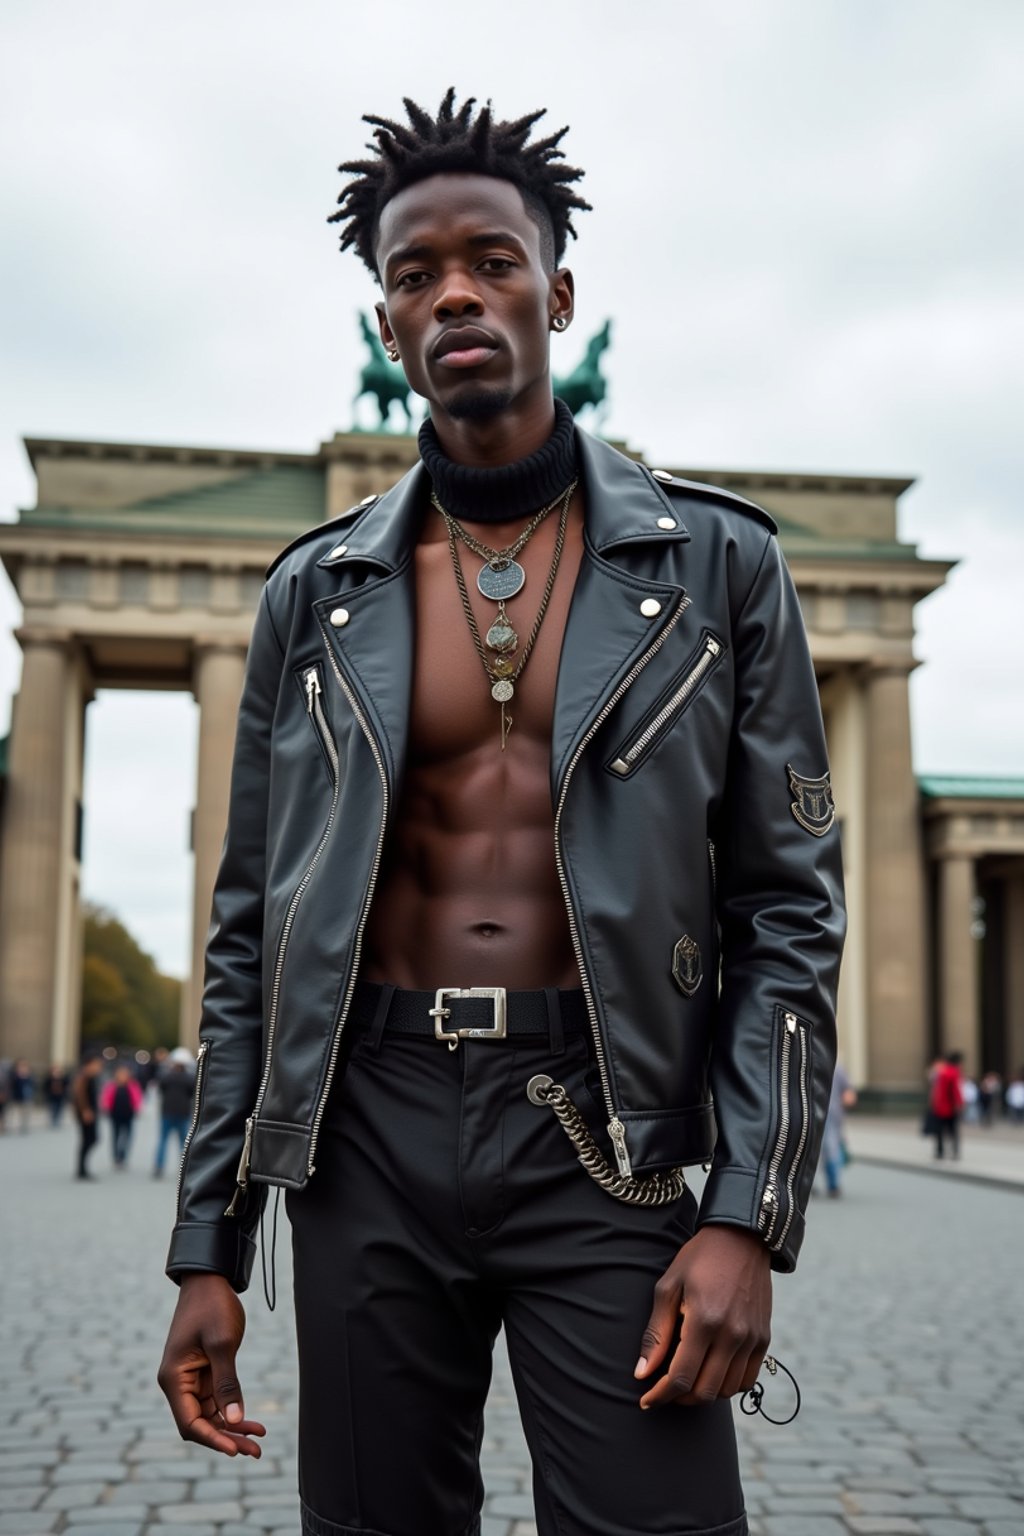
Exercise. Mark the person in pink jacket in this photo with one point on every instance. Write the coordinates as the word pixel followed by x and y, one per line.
pixel 121 1100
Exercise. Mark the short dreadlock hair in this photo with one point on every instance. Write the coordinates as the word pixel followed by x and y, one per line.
pixel 458 140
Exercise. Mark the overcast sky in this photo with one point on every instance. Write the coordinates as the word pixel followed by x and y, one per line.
pixel 807 229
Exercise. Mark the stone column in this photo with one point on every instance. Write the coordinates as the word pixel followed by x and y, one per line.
pixel 1013 986
pixel 218 670
pixel 895 895
pixel 37 910
pixel 842 702
pixel 957 968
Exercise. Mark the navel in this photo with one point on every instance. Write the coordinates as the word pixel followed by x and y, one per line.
pixel 486 930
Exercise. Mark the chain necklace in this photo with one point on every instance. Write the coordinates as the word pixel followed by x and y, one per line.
pixel 502 672
pixel 502 576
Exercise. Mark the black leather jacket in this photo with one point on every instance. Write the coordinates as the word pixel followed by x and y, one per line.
pixel 694 839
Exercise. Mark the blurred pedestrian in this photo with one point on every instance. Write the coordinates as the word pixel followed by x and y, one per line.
pixel 833 1145
pixel 5 1092
pixel 55 1092
pixel 175 1086
pixel 151 1069
pixel 23 1093
pixel 946 1103
pixel 990 1092
pixel 971 1093
pixel 1015 1098
pixel 85 1098
pixel 121 1100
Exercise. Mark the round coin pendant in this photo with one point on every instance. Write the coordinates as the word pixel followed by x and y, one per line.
pixel 503 583
pixel 502 691
pixel 502 637
pixel 503 666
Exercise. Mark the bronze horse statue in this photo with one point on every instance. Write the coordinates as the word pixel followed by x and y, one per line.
pixel 382 379
pixel 586 385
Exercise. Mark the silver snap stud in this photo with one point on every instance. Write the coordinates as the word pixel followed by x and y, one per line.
pixel 650 607
pixel 339 618
pixel 666 522
pixel 662 475
pixel 337 552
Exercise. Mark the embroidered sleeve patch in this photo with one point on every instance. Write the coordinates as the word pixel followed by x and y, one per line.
pixel 814 807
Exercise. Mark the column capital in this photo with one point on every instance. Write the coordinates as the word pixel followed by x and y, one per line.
pixel 38 635
pixel 205 645
pixel 878 668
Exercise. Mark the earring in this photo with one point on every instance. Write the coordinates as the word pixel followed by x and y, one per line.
pixel 559 322
pixel 393 354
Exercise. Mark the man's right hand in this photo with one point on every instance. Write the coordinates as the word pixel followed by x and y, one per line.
pixel 197 1372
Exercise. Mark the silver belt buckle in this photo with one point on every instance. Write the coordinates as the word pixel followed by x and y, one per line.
pixel 439 1013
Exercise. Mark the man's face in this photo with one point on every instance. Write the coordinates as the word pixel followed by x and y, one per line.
pixel 467 299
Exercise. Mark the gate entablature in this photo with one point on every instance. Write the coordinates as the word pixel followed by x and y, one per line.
pixel 140 566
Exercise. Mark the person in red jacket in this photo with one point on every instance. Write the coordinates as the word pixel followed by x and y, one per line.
pixel 946 1102
pixel 121 1100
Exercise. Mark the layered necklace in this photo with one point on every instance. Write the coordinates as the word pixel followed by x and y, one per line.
pixel 501 578
pixel 472 494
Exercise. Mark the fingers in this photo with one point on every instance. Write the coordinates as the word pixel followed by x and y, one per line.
pixel 197 1414
pixel 657 1337
pixel 711 1361
pixel 684 1368
pixel 226 1395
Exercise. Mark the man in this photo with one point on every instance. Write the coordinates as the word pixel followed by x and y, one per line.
pixel 85 1098
pixel 540 723
pixel 174 1084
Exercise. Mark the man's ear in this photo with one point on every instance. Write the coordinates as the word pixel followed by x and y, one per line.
pixel 387 335
pixel 562 301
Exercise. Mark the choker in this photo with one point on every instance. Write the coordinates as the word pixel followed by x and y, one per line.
pixel 511 491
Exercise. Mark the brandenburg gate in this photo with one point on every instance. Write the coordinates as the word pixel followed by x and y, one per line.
pixel 141 566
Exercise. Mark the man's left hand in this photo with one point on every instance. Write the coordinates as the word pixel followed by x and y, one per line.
pixel 721 1284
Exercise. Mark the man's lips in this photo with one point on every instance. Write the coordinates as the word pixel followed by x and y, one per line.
pixel 465 347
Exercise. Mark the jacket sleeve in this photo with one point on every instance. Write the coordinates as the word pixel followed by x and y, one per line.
pixel 782 921
pixel 231 1026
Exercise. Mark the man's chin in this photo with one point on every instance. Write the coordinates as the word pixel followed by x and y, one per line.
pixel 478 402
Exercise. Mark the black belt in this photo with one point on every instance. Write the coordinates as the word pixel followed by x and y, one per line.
pixel 469 1013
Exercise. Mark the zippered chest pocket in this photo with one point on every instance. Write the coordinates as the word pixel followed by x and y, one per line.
pixel 791 1085
pixel 642 740
pixel 311 683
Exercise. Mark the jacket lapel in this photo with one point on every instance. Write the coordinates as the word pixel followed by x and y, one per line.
pixel 607 632
pixel 374 644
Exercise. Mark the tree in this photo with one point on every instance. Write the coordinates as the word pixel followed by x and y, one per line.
pixel 126 1001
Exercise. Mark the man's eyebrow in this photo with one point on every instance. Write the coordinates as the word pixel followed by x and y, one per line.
pixel 422 251
pixel 410 253
pixel 497 237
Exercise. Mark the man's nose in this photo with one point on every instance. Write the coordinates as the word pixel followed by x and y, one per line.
pixel 457 295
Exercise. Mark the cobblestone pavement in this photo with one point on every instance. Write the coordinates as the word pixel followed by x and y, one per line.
pixel 902 1325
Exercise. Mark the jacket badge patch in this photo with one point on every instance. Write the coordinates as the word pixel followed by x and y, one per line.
pixel 814 807
pixel 687 965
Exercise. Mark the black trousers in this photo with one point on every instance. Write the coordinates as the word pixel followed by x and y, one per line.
pixel 88 1136
pixel 444 1206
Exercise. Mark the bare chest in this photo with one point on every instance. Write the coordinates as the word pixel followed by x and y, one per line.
pixel 453 712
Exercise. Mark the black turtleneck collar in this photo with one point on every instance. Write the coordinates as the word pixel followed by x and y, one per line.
pixel 511 491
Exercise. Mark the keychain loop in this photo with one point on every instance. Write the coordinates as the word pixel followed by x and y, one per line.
pixel 753 1397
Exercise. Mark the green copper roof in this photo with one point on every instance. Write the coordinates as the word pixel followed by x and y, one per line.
pixel 970 787
pixel 268 503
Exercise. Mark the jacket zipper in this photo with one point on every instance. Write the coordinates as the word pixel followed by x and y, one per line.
pixel 367 899
pixel 616 1129
pixel 628 760
pixel 201 1054
pixel 771 1200
pixel 314 708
